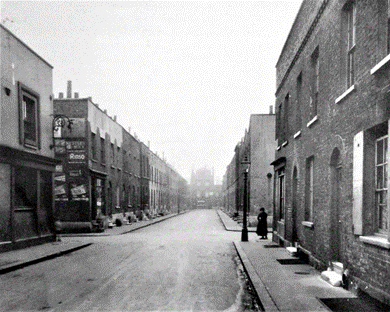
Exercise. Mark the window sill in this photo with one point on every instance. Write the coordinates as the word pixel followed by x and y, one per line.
pixel 103 164
pixel 311 122
pixel 380 65
pixel 94 160
pixel 376 240
pixel 278 148
pixel 285 143
pixel 342 96
pixel 297 135
pixel 308 224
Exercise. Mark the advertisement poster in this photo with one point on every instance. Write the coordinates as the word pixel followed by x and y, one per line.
pixel 79 192
pixel 60 188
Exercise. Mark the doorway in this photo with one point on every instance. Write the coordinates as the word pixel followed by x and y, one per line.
pixel 294 233
pixel 335 182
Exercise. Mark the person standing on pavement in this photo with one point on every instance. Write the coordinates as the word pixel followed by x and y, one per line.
pixel 262 229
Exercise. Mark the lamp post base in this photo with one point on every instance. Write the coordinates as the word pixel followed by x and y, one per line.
pixel 244 235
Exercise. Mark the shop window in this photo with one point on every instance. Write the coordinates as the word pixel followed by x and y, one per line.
pixel 26 185
pixel 29 117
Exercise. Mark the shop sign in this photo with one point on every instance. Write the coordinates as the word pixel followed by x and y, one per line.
pixel 75 173
pixel 59 150
pixel 60 178
pixel 75 145
pixel 59 168
pixel 77 157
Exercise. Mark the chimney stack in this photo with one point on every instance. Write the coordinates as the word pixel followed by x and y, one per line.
pixel 76 95
pixel 129 130
pixel 271 111
pixel 69 90
pixel 114 117
pixel 61 95
pixel 105 111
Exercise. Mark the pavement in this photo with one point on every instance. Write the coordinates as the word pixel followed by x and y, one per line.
pixel 287 287
pixel 17 259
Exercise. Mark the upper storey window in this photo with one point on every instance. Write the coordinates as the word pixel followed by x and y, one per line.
pixel 29 116
pixel 351 42
pixel 388 26
pixel 315 67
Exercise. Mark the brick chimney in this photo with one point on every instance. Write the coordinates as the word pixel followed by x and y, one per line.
pixel 69 90
pixel 271 111
pixel 61 95
pixel 76 95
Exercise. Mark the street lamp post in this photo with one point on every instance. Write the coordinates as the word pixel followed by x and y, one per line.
pixel 244 232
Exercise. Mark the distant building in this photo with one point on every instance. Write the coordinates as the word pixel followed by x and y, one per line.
pixel 203 191
pixel 258 145
pixel 26 156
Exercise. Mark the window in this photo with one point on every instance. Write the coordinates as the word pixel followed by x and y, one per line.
pixel 309 207
pixel 388 26
pixel 280 122
pixel 102 151
pixel 112 154
pixel 381 161
pixel 370 182
pixel 93 145
pixel 29 117
pixel 285 116
pixel 315 67
pixel 26 185
pixel 118 156
pixel 281 193
pixel 298 117
pixel 351 41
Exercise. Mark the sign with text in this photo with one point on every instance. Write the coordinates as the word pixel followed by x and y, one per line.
pixel 77 157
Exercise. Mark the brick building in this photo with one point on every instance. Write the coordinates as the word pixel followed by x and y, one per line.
pixel 26 158
pixel 258 144
pixel 91 183
pixel 331 195
pixel 105 171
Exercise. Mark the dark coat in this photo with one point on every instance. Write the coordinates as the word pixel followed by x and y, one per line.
pixel 262 229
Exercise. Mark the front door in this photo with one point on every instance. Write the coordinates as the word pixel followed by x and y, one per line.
pixel 335 231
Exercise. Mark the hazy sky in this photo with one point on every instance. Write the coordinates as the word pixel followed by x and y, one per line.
pixel 183 75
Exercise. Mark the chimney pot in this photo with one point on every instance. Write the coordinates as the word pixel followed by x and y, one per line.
pixel 105 111
pixel 114 117
pixel 61 95
pixel 76 95
pixel 69 91
pixel 271 111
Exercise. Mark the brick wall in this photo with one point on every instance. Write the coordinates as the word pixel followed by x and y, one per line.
pixel 335 127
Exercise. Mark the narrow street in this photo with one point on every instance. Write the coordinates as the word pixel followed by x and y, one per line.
pixel 184 263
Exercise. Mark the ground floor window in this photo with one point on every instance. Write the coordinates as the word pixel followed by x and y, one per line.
pixel 381 159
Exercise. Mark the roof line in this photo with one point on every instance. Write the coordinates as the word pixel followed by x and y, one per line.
pixel 31 50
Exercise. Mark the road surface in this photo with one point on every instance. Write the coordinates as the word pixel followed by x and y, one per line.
pixel 184 263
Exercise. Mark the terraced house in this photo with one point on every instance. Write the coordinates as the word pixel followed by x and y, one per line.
pixel 26 157
pixel 331 173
